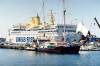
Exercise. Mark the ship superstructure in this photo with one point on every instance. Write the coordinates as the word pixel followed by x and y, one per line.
pixel 26 33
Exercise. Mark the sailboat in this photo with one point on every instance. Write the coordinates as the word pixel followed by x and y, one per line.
pixel 60 47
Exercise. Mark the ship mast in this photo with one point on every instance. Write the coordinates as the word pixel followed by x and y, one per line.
pixel 52 18
pixel 43 6
pixel 43 13
pixel 64 11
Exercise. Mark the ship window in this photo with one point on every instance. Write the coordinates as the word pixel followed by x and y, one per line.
pixel 24 39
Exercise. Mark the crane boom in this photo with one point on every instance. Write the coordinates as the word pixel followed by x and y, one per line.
pixel 97 22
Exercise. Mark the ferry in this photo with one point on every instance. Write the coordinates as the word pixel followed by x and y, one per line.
pixel 29 32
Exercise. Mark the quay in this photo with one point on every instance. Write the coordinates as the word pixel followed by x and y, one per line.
pixel 95 49
pixel 12 47
pixel 32 48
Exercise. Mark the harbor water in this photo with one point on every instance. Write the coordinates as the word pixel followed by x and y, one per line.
pixel 11 57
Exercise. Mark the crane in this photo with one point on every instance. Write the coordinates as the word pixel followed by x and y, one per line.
pixel 97 22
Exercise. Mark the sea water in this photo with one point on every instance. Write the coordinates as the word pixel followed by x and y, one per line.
pixel 11 57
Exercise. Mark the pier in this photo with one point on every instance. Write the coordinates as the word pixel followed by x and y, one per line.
pixel 12 47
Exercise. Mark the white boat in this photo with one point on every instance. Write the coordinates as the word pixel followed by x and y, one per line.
pixel 30 48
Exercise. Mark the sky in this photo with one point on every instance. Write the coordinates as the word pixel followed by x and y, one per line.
pixel 20 11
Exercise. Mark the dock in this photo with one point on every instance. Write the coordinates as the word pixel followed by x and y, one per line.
pixel 12 47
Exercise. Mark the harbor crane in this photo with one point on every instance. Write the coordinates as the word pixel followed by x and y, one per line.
pixel 97 22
